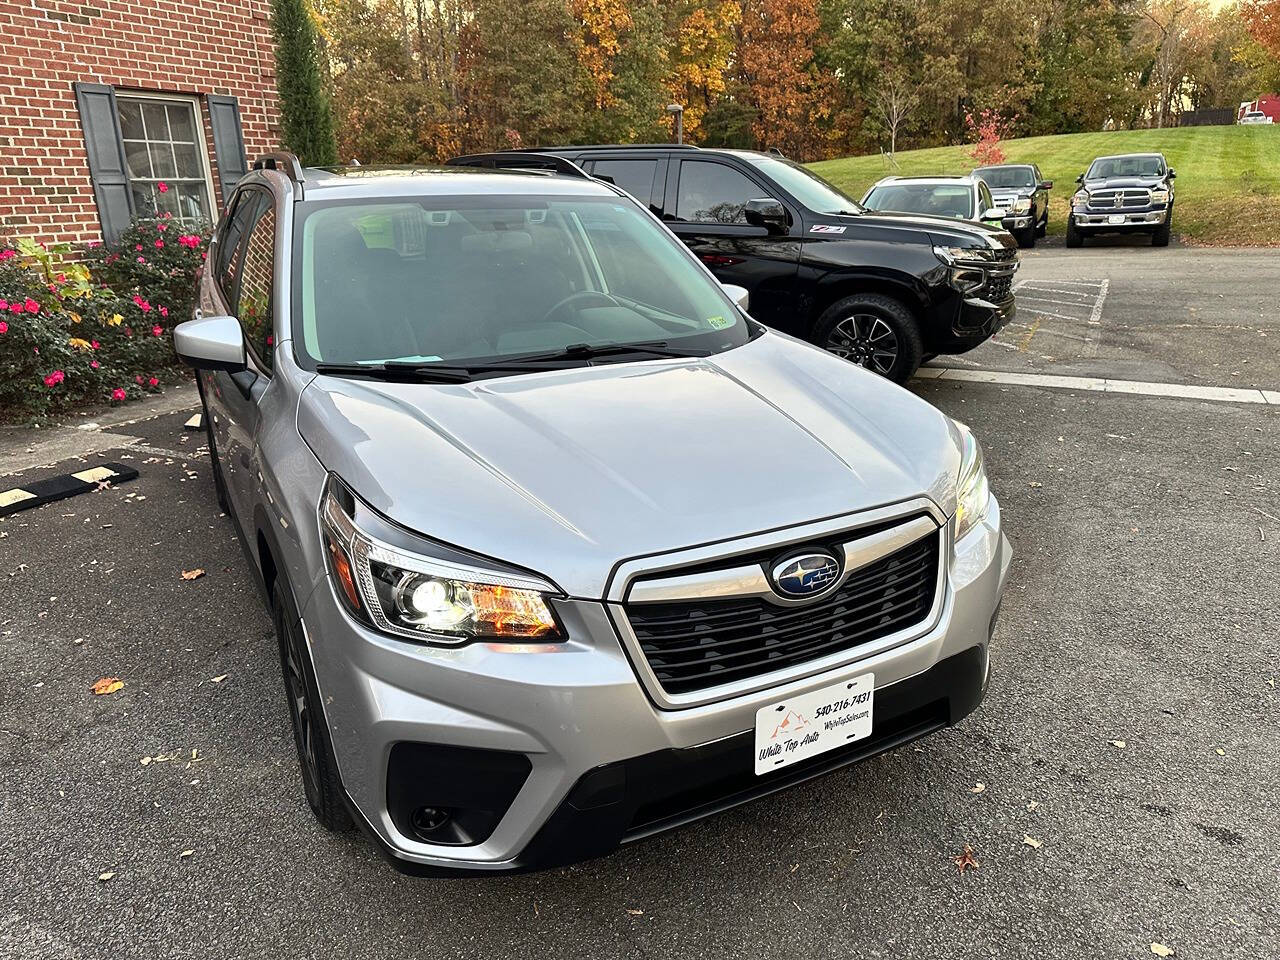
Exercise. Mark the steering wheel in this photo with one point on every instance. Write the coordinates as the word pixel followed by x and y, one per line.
pixel 601 299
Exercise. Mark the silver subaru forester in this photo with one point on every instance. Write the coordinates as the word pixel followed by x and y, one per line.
pixel 563 549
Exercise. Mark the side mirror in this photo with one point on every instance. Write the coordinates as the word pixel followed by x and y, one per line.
pixel 1172 175
pixel 737 294
pixel 1046 184
pixel 210 343
pixel 1080 179
pixel 766 212
pixel 993 214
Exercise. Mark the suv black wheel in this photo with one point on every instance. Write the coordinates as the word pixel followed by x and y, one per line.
pixel 219 485
pixel 873 331
pixel 320 780
pixel 1074 237
pixel 1160 237
pixel 1027 237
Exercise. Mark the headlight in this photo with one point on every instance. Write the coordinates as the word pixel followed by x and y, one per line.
pixel 439 600
pixel 1080 198
pixel 1159 196
pixel 965 254
pixel 973 494
pixel 1022 205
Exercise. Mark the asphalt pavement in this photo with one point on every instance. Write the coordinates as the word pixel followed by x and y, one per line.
pixel 1119 787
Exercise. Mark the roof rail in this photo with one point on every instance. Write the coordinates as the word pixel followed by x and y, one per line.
pixel 610 146
pixel 282 160
pixel 520 160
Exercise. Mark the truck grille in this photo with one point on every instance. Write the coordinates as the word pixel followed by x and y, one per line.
pixel 692 645
pixel 999 288
pixel 1127 199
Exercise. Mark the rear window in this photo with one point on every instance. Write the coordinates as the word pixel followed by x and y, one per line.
pixel 1006 178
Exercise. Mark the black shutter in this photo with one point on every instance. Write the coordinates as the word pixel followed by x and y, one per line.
pixel 101 124
pixel 228 141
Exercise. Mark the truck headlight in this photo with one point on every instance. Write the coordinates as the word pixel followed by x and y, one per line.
pixel 1022 205
pixel 434 599
pixel 1080 198
pixel 965 254
pixel 1159 196
pixel 973 493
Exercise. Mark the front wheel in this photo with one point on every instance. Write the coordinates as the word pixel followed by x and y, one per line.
pixel 320 780
pixel 1026 238
pixel 873 331
pixel 1160 238
pixel 1074 237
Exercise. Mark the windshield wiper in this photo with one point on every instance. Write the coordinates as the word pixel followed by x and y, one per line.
pixel 588 351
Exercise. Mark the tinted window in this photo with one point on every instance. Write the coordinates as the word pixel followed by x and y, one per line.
pixel 806 186
pixel 256 285
pixel 634 176
pixel 466 277
pixel 229 249
pixel 713 193
pixel 984 198
pixel 939 200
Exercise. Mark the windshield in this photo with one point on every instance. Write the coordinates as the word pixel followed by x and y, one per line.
pixel 953 200
pixel 1106 167
pixel 1006 178
pixel 806 186
pixel 450 279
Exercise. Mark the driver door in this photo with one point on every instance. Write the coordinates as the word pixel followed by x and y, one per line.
pixel 244 271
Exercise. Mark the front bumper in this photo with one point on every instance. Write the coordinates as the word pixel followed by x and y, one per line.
pixel 1018 221
pixel 1135 220
pixel 585 759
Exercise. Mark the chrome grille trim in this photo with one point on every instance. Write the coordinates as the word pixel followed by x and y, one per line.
pixel 1130 198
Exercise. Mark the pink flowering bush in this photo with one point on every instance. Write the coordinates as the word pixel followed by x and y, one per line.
pixel 66 339
pixel 154 261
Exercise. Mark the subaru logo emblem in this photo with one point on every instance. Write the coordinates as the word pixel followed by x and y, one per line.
pixel 806 575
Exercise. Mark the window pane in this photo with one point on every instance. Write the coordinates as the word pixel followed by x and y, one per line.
pixel 130 119
pixel 153 117
pixel 188 161
pixel 137 159
pixel 633 176
pixel 162 160
pixel 713 193
pixel 143 198
pixel 191 201
pixel 180 123
pixel 256 286
pixel 167 202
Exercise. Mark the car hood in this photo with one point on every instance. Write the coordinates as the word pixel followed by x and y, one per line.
pixel 1108 183
pixel 567 473
pixel 944 229
pixel 1013 192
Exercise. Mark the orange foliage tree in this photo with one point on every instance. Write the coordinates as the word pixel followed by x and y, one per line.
pixel 701 47
pixel 1262 17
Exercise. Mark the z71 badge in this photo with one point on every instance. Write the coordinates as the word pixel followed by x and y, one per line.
pixel 826 228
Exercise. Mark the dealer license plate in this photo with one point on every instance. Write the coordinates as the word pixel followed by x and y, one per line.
pixel 814 723
pixel 1116 218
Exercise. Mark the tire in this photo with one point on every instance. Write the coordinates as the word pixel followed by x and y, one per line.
pixel 1026 238
pixel 1042 228
pixel 1074 237
pixel 317 764
pixel 873 331
pixel 219 484
pixel 1160 236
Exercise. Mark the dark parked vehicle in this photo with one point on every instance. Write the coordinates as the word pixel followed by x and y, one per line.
pixel 1021 192
pixel 1132 193
pixel 885 290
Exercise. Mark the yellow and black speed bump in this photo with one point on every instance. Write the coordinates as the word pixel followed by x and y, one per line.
pixel 40 492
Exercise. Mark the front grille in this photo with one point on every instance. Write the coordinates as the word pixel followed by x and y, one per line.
pixel 1004 203
pixel 999 288
pixel 692 645
pixel 1129 199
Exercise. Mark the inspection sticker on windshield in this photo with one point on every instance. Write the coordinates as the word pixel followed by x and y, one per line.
pixel 814 723
pixel 826 228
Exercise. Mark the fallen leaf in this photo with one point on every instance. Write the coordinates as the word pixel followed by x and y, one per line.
pixel 107 875
pixel 1160 950
pixel 218 679
pixel 1033 804
pixel 634 912
pixel 966 860
pixel 1033 842
pixel 1035 483
pixel 977 788
pixel 145 760
pixel 185 853
pixel 107 685
pixel 195 574
pixel 1119 743
pixel 1220 752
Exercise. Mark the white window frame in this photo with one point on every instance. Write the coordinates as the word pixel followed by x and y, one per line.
pixel 211 196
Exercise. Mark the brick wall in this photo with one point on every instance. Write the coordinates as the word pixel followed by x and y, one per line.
pixel 193 47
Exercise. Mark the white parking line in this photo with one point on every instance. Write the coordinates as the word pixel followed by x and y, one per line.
pixel 1061 303
pixel 1184 391
pixel 1095 320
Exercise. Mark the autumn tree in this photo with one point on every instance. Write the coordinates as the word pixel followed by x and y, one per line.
pixel 1262 17
pixel 700 46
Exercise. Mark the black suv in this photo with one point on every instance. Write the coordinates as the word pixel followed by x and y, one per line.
pixel 1130 193
pixel 885 290
pixel 1021 192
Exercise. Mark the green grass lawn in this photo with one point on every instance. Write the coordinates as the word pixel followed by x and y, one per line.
pixel 1228 186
